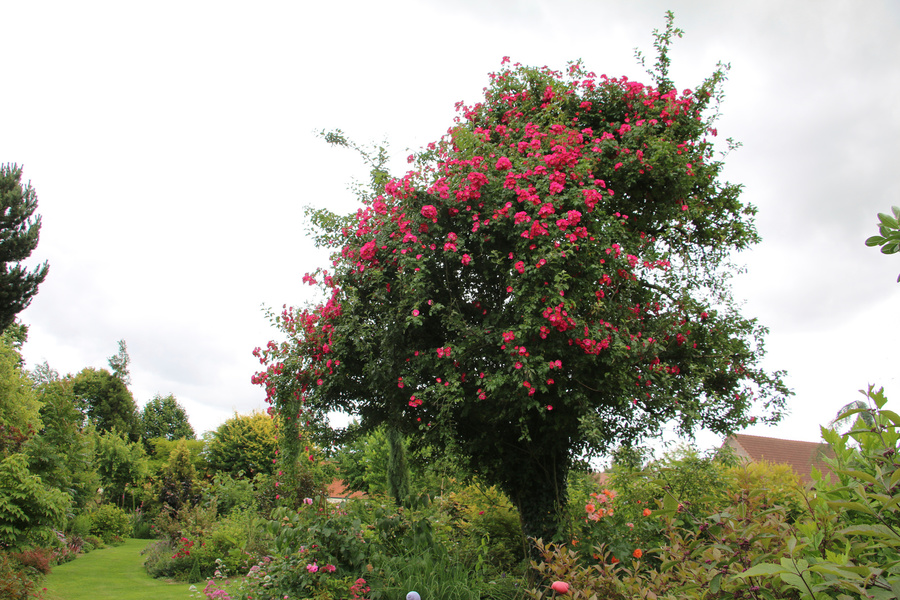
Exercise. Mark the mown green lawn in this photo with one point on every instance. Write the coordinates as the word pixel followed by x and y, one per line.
pixel 114 572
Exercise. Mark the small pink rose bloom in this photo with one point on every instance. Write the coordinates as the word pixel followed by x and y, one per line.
pixel 312 567
pixel 429 212
pixel 415 312
pixel 560 587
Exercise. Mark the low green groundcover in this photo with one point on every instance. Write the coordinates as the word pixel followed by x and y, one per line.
pixel 113 572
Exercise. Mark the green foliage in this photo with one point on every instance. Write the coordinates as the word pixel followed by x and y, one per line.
pixel 16 582
pixel 362 463
pixel 842 542
pixel 19 405
pixel 29 510
pixel 489 532
pixel 121 465
pixel 160 449
pixel 19 234
pixel 165 418
pixel 109 522
pixel 776 484
pixel 432 574
pixel 230 493
pixel 62 452
pixel 397 467
pixel 243 444
pixel 177 484
pixel 550 280
pixel 889 233
pixel 108 402
pixel 204 546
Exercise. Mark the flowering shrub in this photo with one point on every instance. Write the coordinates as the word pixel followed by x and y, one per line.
pixel 549 279
pixel 620 524
pixel 842 544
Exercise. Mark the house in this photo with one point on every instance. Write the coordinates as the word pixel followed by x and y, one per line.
pixel 801 456
pixel 338 492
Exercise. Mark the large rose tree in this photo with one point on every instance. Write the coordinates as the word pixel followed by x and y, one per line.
pixel 550 281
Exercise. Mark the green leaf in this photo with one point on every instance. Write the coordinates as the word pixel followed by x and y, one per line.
pixel 831 569
pixel 851 506
pixel 794 580
pixel 763 569
pixel 714 583
pixel 890 248
pixel 875 240
pixel 894 417
pixel 861 475
pixel 874 530
pixel 889 221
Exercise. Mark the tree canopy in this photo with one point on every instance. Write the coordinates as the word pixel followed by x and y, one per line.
pixel 108 402
pixel 243 443
pixel 19 233
pixel 549 281
pixel 165 418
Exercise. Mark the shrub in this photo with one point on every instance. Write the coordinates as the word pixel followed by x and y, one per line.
pixel 160 561
pixel 489 532
pixel 837 541
pixel 230 493
pixel 80 525
pixel 189 521
pixel 15 582
pixel 777 484
pixel 37 559
pixel 94 542
pixel 109 522
pixel 141 526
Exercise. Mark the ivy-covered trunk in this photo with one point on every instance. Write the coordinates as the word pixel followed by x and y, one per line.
pixel 538 491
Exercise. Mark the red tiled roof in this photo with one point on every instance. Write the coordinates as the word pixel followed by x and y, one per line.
pixel 338 489
pixel 801 456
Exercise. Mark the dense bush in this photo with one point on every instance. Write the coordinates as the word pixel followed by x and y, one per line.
pixel 199 545
pixel 15 580
pixel 837 540
pixel 109 522
pixel 488 530
pixel 38 559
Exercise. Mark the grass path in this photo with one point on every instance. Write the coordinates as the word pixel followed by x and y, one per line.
pixel 114 572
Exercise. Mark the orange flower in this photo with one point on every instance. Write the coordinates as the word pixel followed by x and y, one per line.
pixel 637 553
pixel 613 560
pixel 646 512
pixel 590 508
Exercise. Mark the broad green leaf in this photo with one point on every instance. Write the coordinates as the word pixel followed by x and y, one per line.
pixel 861 475
pixel 888 221
pixel 875 240
pixel 714 583
pixel 873 530
pixel 894 417
pixel 833 570
pixel 794 580
pixel 851 506
pixel 890 248
pixel 763 569
pixel 895 477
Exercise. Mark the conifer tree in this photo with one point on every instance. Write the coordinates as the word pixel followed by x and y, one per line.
pixel 19 232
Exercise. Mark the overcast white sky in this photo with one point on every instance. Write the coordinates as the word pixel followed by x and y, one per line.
pixel 172 146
